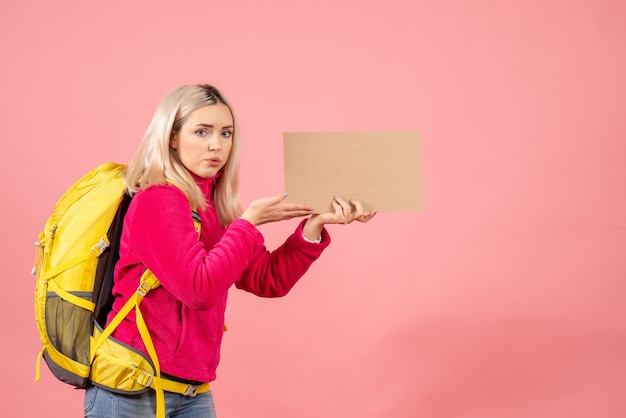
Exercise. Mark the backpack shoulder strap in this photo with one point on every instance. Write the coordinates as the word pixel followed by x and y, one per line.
pixel 197 222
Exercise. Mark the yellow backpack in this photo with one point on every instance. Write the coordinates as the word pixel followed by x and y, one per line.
pixel 74 263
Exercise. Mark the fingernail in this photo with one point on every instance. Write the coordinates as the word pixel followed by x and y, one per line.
pixel 285 194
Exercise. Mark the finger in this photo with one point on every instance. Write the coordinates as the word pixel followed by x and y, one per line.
pixel 281 198
pixel 346 208
pixel 337 211
pixel 299 205
pixel 294 214
pixel 367 217
pixel 346 214
pixel 289 207
pixel 358 208
pixel 278 198
pixel 340 200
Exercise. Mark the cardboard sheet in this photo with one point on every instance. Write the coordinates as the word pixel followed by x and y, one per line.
pixel 380 169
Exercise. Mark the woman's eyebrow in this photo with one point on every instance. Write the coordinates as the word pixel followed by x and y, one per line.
pixel 206 125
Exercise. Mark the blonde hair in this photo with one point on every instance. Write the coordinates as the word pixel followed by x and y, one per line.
pixel 155 162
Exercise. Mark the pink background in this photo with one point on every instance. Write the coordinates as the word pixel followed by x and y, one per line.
pixel 504 297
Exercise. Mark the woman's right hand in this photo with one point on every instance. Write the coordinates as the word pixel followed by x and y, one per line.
pixel 273 209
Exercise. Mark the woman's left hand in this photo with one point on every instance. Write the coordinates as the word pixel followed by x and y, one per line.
pixel 344 212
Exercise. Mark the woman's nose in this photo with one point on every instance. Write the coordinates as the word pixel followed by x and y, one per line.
pixel 215 143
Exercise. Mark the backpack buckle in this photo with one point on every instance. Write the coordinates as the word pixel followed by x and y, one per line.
pixel 100 247
pixel 143 288
pixel 144 379
pixel 190 392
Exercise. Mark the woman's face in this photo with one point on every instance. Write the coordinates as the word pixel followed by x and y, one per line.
pixel 204 141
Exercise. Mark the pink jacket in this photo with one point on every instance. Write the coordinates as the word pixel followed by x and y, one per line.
pixel 186 315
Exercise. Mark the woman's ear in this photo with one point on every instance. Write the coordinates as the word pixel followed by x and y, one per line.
pixel 174 141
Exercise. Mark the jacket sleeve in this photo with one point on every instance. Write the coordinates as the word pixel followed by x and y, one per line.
pixel 162 236
pixel 273 274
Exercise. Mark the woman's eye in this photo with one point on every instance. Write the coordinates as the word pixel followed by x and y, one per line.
pixel 201 132
pixel 227 134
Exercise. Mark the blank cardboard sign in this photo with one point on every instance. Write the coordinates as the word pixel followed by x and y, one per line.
pixel 380 169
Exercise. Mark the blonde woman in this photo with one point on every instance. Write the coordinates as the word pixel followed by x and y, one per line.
pixel 189 159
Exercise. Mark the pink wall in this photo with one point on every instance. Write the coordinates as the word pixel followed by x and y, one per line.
pixel 502 298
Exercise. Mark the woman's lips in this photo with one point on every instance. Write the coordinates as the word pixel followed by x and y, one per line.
pixel 214 162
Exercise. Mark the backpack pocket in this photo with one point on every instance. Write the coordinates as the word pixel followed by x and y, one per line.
pixel 116 366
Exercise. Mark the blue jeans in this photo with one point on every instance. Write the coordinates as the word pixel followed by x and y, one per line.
pixel 100 403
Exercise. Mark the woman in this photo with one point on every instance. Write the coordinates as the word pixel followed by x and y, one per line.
pixel 189 159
